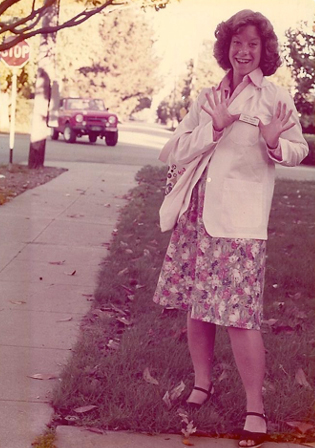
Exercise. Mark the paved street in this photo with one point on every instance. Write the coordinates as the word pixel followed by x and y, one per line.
pixel 138 144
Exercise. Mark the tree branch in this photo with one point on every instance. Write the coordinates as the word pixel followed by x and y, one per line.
pixel 6 4
pixel 30 29
pixel 35 14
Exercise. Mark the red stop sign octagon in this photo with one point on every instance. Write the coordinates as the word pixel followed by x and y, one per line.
pixel 16 56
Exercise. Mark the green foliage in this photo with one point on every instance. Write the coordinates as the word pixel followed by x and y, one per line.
pixel 310 158
pixel 208 73
pixel 46 440
pixel 202 71
pixel 116 63
pixel 300 57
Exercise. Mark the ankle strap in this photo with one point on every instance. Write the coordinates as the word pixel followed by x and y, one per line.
pixel 264 416
pixel 201 389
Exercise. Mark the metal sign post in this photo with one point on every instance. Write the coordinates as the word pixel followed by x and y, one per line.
pixel 15 58
pixel 13 109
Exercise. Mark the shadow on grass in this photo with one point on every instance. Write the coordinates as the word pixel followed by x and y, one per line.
pixel 125 332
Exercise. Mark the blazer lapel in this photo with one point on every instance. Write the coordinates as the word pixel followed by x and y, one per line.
pixel 242 98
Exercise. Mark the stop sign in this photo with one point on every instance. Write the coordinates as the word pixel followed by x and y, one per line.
pixel 16 56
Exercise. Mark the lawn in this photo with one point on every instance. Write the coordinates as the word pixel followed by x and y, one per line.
pixel 131 369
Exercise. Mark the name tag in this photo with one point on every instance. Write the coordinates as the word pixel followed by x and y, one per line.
pixel 248 119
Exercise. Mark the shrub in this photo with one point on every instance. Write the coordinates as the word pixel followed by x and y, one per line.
pixel 310 159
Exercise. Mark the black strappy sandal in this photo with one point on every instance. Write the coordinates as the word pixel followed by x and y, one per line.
pixel 257 437
pixel 193 405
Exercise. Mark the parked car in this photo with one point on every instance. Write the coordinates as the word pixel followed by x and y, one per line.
pixel 85 116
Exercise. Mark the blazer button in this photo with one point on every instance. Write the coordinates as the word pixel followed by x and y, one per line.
pixel 209 179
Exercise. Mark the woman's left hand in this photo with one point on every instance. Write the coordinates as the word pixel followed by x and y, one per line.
pixel 278 124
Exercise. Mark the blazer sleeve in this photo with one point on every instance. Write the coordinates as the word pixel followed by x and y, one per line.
pixel 293 145
pixel 193 136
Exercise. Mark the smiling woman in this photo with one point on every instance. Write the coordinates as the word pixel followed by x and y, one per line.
pixel 259 38
pixel 244 53
pixel 219 191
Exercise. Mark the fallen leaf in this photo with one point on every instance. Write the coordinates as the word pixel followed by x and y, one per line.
pixel 300 378
pixel 57 263
pixel 107 205
pixel 177 391
pixel 186 442
pixel 70 273
pixel 148 378
pixel 100 313
pixel 126 288
pixel 71 418
pixel 270 322
pixel 124 321
pixel 129 251
pixel 140 286
pixel 67 319
pixel 113 344
pixel 130 297
pixel 18 302
pixel 167 400
pixel 96 430
pixel 190 429
pixel 301 426
pixel 123 271
pixel 84 409
pixel 43 376
pixel 223 376
pixel 295 296
pixel 118 310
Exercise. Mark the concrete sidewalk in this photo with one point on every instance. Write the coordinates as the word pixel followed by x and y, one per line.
pixel 53 240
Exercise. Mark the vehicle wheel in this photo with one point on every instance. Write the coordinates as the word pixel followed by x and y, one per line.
pixel 111 139
pixel 69 134
pixel 92 137
pixel 54 134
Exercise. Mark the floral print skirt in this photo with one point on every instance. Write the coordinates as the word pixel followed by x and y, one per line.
pixel 220 280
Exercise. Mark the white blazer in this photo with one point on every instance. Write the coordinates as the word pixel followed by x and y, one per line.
pixel 240 168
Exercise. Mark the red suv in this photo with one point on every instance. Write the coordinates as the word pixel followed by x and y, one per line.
pixel 85 116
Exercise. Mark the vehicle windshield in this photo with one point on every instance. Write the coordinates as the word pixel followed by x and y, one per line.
pixel 85 104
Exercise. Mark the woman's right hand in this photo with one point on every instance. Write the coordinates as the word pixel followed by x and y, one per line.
pixel 218 110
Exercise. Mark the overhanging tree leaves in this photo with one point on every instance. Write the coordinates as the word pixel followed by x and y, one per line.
pixel 300 57
pixel 31 24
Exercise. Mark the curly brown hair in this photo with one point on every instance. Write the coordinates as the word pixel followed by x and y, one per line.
pixel 270 58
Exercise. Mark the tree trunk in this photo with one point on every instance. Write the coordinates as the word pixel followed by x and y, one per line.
pixel 45 72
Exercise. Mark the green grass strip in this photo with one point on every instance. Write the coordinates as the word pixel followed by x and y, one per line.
pixel 125 333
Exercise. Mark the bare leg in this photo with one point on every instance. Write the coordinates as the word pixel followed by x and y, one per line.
pixel 201 337
pixel 249 354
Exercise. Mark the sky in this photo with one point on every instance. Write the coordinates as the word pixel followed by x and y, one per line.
pixel 181 27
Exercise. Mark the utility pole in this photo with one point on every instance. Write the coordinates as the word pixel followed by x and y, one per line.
pixel 45 74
